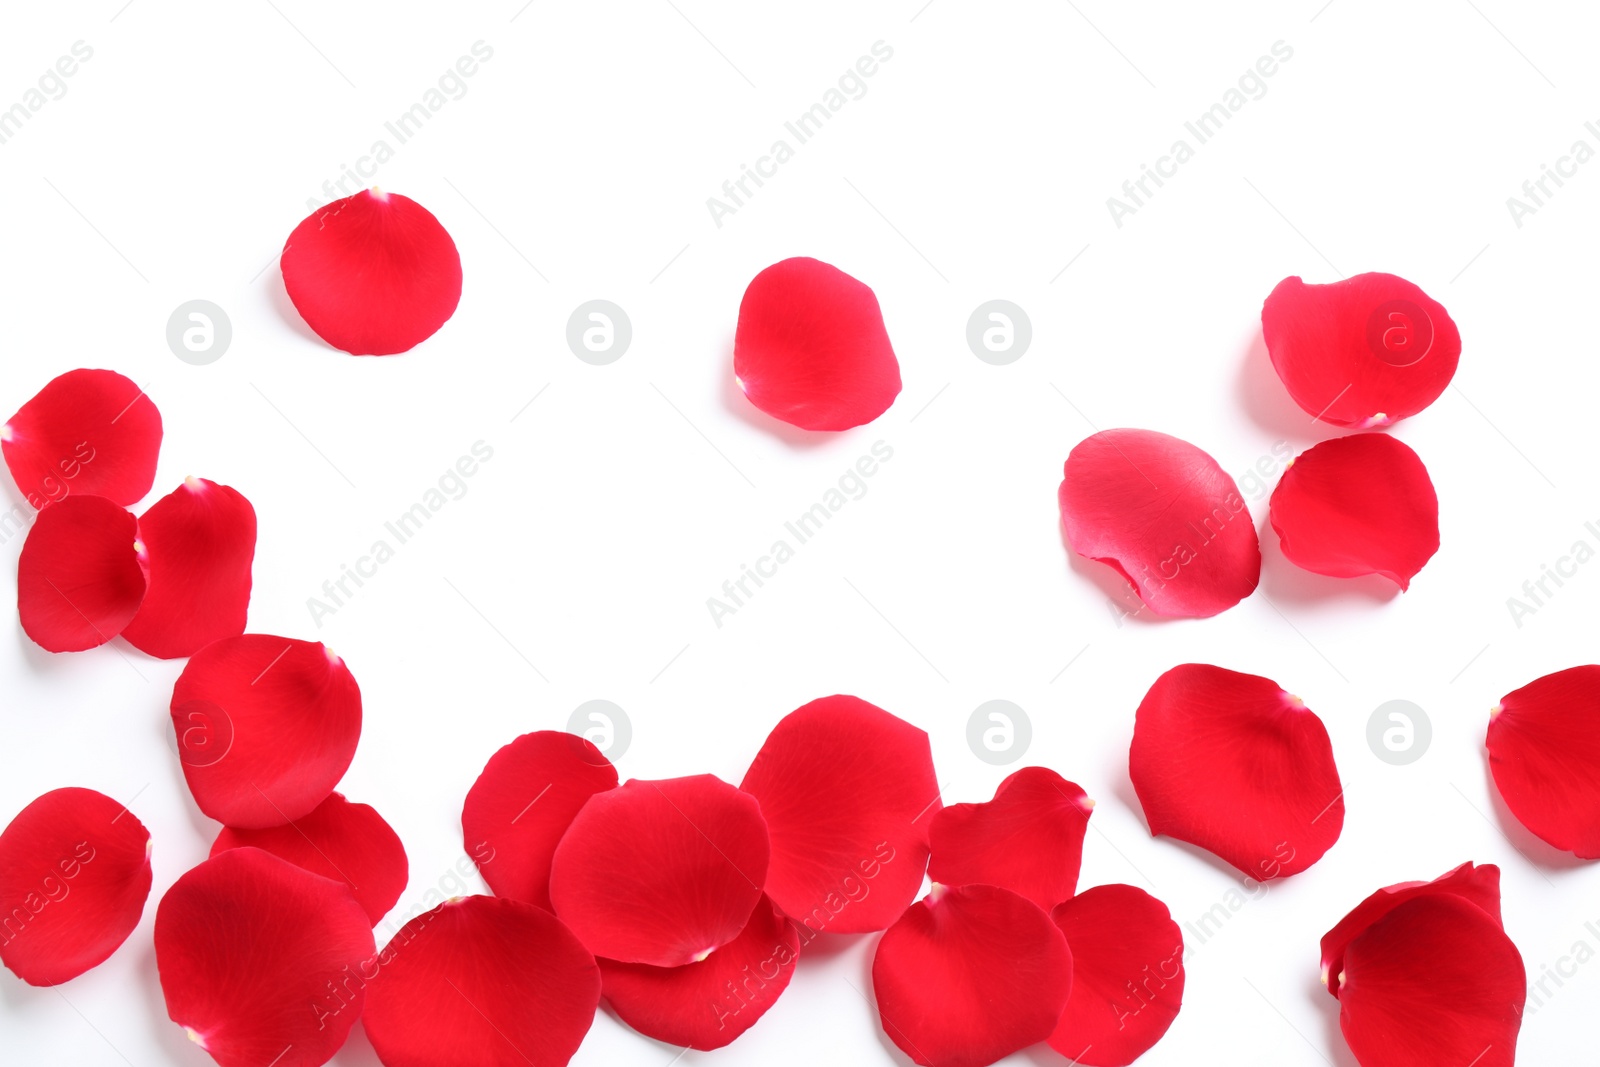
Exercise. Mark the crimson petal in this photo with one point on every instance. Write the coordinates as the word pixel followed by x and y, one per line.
pixel 80 576
pixel 970 975
pixel 523 802
pixel 200 540
pixel 75 873
pixel 661 872
pixel 373 274
pixel 1233 764
pixel 92 432
pixel 1544 753
pixel 1028 839
pixel 848 792
pixel 484 981
pixel 708 1004
pixel 266 727
pixel 262 962
pixel 811 348
pixel 1365 351
pixel 1164 515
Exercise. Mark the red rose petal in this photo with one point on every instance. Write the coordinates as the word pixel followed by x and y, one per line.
pixel 706 1005
pixel 1544 753
pixel 200 540
pixel 90 432
pixel 1127 975
pixel 1434 981
pixel 970 975
pixel 848 792
pixel 811 348
pixel 1366 351
pixel 523 802
pixel 1476 885
pixel 1028 839
pixel 372 274
pixel 74 875
pixel 266 728
pixel 484 981
pixel 262 962
pixel 1165 516
pixel 348 843
pixel 661 872
pixel 1233 764
pixel 1357 505
pixel 80 577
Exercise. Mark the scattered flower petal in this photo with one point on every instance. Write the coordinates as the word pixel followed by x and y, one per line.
pixel 80 577
pixel 89 432
pixel 1544 753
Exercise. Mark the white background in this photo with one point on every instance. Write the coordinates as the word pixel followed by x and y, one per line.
pixel 578 564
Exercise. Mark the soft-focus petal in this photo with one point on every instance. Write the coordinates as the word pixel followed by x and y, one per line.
pixel 1544 753
pixel 80 577
pixel 89 432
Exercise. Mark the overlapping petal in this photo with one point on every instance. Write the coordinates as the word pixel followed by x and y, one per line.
pixel 89 432
pixel 81 576
pixel 1544 753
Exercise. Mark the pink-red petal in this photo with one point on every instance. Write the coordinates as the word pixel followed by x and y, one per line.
pixel 661 872
pixel 91 432
pixel 266 727
pixel 1544 753
pixel 1232 763
pixel 849 792
pixel 80 576
pixel 811 348
pixel 1028 839
pixel 1164 515
pixel 373 274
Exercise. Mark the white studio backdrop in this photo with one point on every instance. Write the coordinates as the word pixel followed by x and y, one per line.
pixel 974 164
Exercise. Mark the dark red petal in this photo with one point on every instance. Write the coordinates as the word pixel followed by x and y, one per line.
pixel 74 875
pixel 849 792
pixel 1544 753
pixel 661 872
pixel 811 348
pixel 968 976
pixel 1479 886
pixel 1165 516
pixel 262 962
pixel 349 843
pixel 1367 351
pixel 372 274
pixel 80 577
pixel 1434 981
pixel 523 802
pixel 1127 975
pixel 266 728
pixel 1357 505
pixel 484 981
pixel 90 432
pixel 200 540
pixel 706 1005
pixel 1028 839
pixel 1233 764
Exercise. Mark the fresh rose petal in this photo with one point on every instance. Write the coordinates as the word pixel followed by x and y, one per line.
pixel 200 540
pixel 1435 981
pixel 1233 764
pixel 706 1005
pixel 262 962
pixel 968 976
pixel 266 728
pixel 523 802
pixel 74 875
pixel 1544 753
pixel 661 872
pixel 485 981
pixel 1127 975
pixel 1478 885
pixel 89 432
pixel 1028 839
pixel 373 274
pixel 80 576
pixel 811 348
pixel 1362 504
pixel 1366 351
pixel 1165 516
pixel 346 842
pixel 848 792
